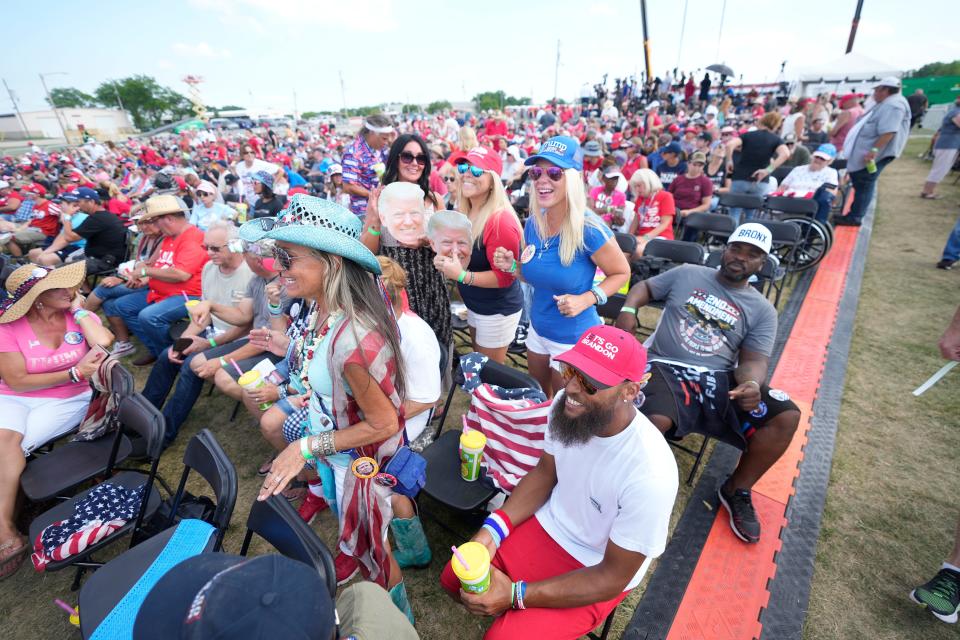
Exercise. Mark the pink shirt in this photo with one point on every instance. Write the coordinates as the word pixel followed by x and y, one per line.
pixel 18 336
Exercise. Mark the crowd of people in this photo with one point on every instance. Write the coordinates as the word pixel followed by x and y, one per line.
pixel 328 261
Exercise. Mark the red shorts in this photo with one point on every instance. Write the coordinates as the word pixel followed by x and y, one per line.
pixel 530 554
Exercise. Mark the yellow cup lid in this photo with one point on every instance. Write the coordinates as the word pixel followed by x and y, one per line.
pixel 473 439
pixel 248 377
pixel 476 556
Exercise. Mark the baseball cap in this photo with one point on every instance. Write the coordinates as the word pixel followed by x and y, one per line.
pixel 334 169
pixel 826 151
pixel 70 196
pixel 698 156
pixel 607 356
pixel 613 171
pixel 849 96
pixel 86 193
pixel 217 595
pixel 206 187
pixel 889 81
pixel 486 159
pixel 673 147
pixel 752 233
pixel 592 149
pixel 653 105
pixel 34 188
pixel 562 151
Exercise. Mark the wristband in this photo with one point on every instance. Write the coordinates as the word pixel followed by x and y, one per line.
pixel 521 592
pixel 599 293
pixel 282 391
pixel 463 274
pixel 274 312
pixel 499 525
pixel 513 267
pixel 626 309
pixel 513 595
pixel 305 449
pixel 80 314
pixel 143 272
pixel 213 343
pixel 223 362
pixel 372 232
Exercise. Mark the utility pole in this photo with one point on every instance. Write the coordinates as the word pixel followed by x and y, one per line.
pixel 16 108
pixel 646 40
pixel 296 112
pixel 853 27
pixel 56 112
pixel 723 12
pixel 343 94
pixel 116 92
pixel 556 74
pixel 683 27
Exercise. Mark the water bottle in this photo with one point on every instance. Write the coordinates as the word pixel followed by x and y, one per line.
pixel 871 165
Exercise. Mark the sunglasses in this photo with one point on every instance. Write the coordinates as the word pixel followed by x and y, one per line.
pixel 449 179
pixel 464 167
pixel 212 247
pixel 408 158
pixel 204 193
pixel 569 372
pixel 554 173
pixel 284 259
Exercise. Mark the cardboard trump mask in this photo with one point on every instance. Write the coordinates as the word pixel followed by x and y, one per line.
pixel 402 212
pixel 450 234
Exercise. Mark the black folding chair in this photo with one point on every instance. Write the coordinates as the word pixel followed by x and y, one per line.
pixel 785 238
pixel 276 521
pixel 626 242
pixel 712 228
pixel 105 588
pixel 780 173
pixel 783 204
pixel 676 251
pixel 67 466
pixel 769 280
pixel 729 201
pixel 138 415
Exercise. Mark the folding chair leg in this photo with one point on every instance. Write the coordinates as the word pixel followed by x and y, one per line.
pixel 697 461
pixel 77 577
pixel 605 630
pixel 236 408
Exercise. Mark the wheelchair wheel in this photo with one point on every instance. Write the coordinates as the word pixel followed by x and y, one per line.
pixel 815 242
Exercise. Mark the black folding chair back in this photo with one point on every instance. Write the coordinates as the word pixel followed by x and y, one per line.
pixel 784 234
pixel 277 522
pixel 675 251
pixel 711 228
pixel 780 173
pixel 205 456
pixel 626 242
pixel 740 201
pixel 140 416
pixel 783 204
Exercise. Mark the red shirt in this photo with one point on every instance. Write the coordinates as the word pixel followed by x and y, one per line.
pixel 118 207
pixel 639 162
pixel 495 127
pixel 185 253
pixel 46 218
pixel 591 164
pixel 688 193
pixel 651 211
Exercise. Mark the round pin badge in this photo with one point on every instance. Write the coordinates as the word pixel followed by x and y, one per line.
pixel 777 394
pixel 527 254
pixel 73 337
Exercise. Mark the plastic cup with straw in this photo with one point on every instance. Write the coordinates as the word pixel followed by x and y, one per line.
pixel 471 564
pixel 250 380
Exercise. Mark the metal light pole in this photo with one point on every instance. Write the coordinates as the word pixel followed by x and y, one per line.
pixel 56 112
pixel 116 92
pixel 16 108
pixel 853 27
pixel 646 39
pixel 556 74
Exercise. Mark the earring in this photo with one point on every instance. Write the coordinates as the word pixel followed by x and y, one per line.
pixel 39 306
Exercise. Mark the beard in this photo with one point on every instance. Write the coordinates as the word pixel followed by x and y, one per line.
pixel 578 431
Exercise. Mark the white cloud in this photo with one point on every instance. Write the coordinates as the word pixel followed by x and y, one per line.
pixel 164 64
pixel 199 50
pixel 375 16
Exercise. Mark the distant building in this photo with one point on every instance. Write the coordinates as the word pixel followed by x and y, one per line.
pixel 102 124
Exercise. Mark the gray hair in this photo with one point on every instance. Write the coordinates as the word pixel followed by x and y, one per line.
pixel 452 220
pixel 233 232
pixel 396 192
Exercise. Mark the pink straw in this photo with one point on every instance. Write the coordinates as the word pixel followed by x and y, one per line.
pixel 185 296
pixel 236 366
pixel 456 552
pixel 63 605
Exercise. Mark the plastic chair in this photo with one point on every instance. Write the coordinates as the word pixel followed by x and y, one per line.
pixel 676 251
pixel 711 228
pixel 276 521
pixel 138 415
pixel 739 201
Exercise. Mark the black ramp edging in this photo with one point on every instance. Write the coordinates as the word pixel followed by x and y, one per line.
pixel 786 610
pixel 657 608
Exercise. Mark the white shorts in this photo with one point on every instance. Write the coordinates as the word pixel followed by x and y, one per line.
pixel 943 160
pixel 495 331
pixel 40 420
pixel 539 344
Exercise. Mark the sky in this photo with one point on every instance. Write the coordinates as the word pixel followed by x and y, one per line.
pixel 286 54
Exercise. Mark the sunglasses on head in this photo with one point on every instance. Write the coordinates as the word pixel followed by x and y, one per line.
pixel 554 173
pixel 408 158
pixel 569 372
pixel 464 167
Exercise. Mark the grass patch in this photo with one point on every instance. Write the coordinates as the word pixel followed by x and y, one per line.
pixel 891 506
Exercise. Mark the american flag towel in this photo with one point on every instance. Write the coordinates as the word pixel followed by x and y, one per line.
pixel 104 510
pixel 513 420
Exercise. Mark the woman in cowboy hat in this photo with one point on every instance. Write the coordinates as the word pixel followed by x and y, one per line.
pixel 353 372
pixel 46 361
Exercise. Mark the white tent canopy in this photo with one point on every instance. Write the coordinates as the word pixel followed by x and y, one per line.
pixel 852 72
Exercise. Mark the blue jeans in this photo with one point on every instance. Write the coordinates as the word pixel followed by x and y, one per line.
pixel 952 250
pixel 824 200
pixel 151 323
pixel 748 187
pixel 112 293
pixel 864 184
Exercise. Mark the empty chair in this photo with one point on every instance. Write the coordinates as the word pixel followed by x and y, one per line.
pixel 710 227
pixel 676 251
pixel 626 242
pixel 740 201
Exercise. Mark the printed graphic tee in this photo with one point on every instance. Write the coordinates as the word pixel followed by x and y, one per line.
pixel 18 337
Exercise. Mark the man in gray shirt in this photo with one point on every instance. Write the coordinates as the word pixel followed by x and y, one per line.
pixel 874 142
pixel 708 365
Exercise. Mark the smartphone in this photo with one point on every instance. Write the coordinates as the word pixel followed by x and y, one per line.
pixel 181 344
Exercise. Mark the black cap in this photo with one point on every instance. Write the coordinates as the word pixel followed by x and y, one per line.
pixel 216 596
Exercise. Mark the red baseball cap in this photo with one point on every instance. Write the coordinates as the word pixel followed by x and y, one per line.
pixel 607 356
pixel 295 190
pixel 673 128
pixel 34 188
pixel 485 158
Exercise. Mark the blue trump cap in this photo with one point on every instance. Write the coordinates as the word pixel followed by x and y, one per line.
pixel 86 193
pixel 673 147
pixel 563 151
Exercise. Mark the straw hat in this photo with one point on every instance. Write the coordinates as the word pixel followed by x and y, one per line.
pixel 26 283
pixel 157 206
pixel 316 223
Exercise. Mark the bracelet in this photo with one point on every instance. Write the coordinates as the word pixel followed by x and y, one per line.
pixel 323 444
pixel 223 362
pixel 463 274
pixel 282 391
pixel 626 309
pixel 769 168
pixel 275 312
pixel 513 267
pixel 599 293
pixel 372 232
pixel 499 525
pixel 513 595
pixel 143 272
pixel 472 274
pixel 305 449
pixel 213 343
pixel 80 314
pixel 521 592
pixel 754 382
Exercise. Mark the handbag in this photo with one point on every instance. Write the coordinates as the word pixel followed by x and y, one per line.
pixel 409 469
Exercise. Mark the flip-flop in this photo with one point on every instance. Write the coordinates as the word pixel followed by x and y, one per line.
pixel 264 468
pixel 930 196
pixel 296 490
pixel 11 560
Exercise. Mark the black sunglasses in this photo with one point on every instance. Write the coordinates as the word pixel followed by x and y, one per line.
pixel 569 372
pixel 212 247
pixel 284 259
pixel 408 158
pixel 554 173
pixel 449 179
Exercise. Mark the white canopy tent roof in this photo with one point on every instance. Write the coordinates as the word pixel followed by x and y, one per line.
pixel 852 72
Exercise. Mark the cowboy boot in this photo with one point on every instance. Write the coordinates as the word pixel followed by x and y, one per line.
pixel 399 596
pixel 412 548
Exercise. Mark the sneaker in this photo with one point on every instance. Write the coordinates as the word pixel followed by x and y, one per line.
pixel 743 518
pixel 312 505
pixel 122 348
pixel 946 265
pixel 346 567
pixel 941 596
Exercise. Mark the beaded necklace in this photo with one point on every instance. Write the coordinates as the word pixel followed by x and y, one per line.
pixel 318 337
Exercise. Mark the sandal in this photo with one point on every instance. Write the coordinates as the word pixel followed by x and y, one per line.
pixel 264 468
pixel 12 556
pixel 930 196
pixel 296 490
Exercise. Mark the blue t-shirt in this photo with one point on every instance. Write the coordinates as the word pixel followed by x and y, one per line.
pixel 549 277
pixel 75 221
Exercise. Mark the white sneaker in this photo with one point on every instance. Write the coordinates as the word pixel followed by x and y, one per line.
pixel 122 348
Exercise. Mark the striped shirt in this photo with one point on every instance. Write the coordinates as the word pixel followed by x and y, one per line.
pixel 358 162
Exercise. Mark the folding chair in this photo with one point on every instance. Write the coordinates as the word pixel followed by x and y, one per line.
pixel 276 521
pixel 780 173
pixel 785 237
pixel 712 228
pixel 676 251
pixel 138 415
pixel 68 466
pixel 626 242
pixel 105 588
pixel 729 201
pixel 770 279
